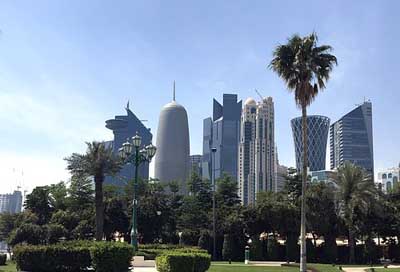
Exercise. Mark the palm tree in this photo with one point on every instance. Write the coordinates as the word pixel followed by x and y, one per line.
pixel 98 162
pixel 305 68
pixel 355 191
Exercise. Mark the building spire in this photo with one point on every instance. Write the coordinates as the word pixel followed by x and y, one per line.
pixel 173 94
pixel 127 105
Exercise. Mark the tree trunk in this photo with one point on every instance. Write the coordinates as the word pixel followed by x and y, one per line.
pixel 98 183
pixel 303 249
pixel 352 245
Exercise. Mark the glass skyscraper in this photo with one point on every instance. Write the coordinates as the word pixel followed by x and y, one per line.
pixel 222 132
pixel 351 139
pixel 317 138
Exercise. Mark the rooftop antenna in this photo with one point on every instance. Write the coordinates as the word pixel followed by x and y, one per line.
pixel 173 93
pixel 259 94
pixel 127 105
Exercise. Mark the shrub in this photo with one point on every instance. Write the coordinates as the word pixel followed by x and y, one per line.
pixel 151 251
pixel 272 249
pixel 111 256
pixel 74 256
pixel 3 259
pixel 52 258
pixel 27 233
pixel 55 232
pixel 204 241
pixel 183 262
pixel 227 248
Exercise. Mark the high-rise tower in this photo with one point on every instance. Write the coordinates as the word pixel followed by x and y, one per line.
pixel 351 139
pixel 317 138
pixel 124 127
pixel 257 161
pixel 172 157
pixel 222 133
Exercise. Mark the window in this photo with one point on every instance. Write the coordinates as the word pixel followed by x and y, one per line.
pixel 390 175
pixel 388 186
pixel 384 176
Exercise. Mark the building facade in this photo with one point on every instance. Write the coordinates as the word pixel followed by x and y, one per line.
pixel 326 176
pixel 351 139
pixel 172 162
pixel 11 203
pixel 125 127
pixel 257 162
pixel 317 137
pixel 222 133
pixel 389 179
pixel 195 165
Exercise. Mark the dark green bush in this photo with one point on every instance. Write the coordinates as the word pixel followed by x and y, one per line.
pixel 74 256
pixel 111 256
pixel 272 249
pixel 151 251
pixel 63 257
pixel 227 248
pixel 183 262
pixel 3 259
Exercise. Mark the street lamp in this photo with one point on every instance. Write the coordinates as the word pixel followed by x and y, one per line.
pixel 136 158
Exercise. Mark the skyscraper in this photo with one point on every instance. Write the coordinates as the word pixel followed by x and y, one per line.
pixel 222 132
pixel 195 165
pixel 124 127
pixel 11 203
pixel 317 137
pixel 351 139
pixel 172 157
pixel 257 162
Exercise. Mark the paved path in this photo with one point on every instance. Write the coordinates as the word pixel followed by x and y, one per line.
pixel 144 269
pixel 363 269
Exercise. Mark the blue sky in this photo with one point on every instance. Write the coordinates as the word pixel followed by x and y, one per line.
pixel 67 66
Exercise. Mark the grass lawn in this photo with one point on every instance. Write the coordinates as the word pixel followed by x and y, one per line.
pixel 9 267
pixel 387 269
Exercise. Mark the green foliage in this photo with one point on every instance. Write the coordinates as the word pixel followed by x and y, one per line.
pixel 111 256
pixel 74 256
pixel 39 203
pixel 28 233
pixel 151 251
pixel 55 232
pixel 204 240
pixel 272 249
pixel 7 224
pixel 183 262
pixel 3 259
pixel 58 257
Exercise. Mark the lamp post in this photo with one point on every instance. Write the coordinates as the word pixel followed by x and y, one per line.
pixel 137 157
pixel 213 150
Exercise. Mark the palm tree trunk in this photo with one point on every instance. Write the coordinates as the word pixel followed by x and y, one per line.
pixel 303 249
pixel 98 183
pixel 352 245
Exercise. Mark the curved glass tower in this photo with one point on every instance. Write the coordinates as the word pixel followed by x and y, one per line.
pixel 317 134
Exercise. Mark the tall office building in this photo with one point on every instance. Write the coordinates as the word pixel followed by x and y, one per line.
pixel 317 137
pixel 125 127
pixel 351 139
pixel 257 162
pixel 195 165
pixel 222 133
pixel 11 203
pixel 172 156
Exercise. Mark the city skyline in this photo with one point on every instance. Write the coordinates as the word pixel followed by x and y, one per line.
pixel 64 69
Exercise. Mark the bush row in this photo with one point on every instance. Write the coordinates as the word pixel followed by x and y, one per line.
pixel 74 257
pixel 151 251
pixel 175 261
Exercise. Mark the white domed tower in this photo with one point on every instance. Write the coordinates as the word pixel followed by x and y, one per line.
pixel 172 157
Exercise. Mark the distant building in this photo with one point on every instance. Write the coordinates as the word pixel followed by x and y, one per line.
pixel 172 156
pixel 351 139
pixel 257 162
pixel 317 135
pixel 195 165
pixel 125 127
pixel 222 133
pixel 11 203
pixel 326 176
pixel 281 173
pixel 389 179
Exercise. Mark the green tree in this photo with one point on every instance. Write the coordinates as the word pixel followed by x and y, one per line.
pixel 58 195
pixel 98 162
pixel 355 192
pixel 39 202
pixel 7 224
pixel 81 193
pixel 305 68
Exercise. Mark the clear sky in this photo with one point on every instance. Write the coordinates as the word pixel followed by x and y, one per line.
pixel 66 66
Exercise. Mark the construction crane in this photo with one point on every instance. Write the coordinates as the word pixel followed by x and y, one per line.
pixel 259 94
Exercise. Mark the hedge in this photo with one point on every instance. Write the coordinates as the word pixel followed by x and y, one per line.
pixel 151 251
pixel 3 259
pixel 74 257
pixel 176 261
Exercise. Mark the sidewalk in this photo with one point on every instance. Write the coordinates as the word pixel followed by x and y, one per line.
pixel 144 269
pixel 363 269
